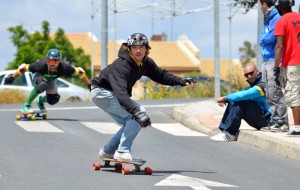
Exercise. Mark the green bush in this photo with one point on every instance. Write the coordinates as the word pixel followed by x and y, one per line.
pixel 201 90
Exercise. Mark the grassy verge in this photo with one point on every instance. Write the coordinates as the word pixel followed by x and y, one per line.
pixel 12 97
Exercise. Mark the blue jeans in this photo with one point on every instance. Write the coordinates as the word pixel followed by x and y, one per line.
pixel 247 110
pixel 123 139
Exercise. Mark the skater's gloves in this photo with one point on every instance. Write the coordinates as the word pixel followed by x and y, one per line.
pixel 9 79
pixel 186 81
pixel 142 119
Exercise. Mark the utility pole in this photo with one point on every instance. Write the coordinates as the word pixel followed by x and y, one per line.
pixel 260 23
pixel 104 34
pixel 217 49
pixel 230 58
pixel 231 15
pixel 92 41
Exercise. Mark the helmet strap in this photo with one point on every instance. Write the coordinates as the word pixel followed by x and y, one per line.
pixel 135 60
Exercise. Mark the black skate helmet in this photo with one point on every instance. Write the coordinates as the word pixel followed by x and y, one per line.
pixel 138 39
pixel 54 54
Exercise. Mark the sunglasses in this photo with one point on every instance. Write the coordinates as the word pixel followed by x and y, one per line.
pixel 53 61
pixel 249 74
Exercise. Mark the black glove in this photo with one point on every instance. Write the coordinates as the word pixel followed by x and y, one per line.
pixel 183 81
pixel 276 75
pixel 9 79
pixel 143 119
pixel 90 87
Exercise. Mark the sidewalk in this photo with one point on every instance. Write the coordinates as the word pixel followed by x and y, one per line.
pixel 205 116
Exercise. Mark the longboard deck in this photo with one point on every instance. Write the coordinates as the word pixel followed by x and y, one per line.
pixel 134 161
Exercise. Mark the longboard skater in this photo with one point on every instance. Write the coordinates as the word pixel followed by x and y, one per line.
pixel 125 170
pixel 32 116
pixel 44 79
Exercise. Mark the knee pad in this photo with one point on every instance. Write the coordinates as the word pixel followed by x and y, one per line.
pixel 52 98
pixel 41 84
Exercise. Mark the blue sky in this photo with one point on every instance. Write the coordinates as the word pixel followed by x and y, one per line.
pixel 74 16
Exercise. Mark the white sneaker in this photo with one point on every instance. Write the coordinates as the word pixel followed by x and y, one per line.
pixel 282 128
pixel 223 136
pixel 122 156
pixel 103 154
pixel 294 131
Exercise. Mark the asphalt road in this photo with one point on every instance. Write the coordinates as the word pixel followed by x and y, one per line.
pixel 60 156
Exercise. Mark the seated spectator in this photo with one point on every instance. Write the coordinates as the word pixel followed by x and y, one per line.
pixel 249 104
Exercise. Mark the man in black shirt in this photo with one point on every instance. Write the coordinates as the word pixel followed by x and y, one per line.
pixel 112 90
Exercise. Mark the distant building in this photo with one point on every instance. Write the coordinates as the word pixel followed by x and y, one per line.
pixel 208 65
pixel 178 57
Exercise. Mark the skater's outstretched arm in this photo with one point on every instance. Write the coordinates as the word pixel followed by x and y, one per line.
pixel 21 69
pixel 82 76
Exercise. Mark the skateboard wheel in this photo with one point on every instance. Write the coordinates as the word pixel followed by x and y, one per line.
pixel 125 170
pixel 45 116
pixel 29 115
pixel 96 166
pixel 18 117
pixel 148 171
pixel 32 117
pixel 118 166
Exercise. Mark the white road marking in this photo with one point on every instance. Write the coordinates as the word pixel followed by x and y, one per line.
pixel 176 129
pixel 102 127
pixel 38 126
pixel 194 183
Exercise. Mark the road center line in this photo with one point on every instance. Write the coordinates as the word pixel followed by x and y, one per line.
pixel 94 107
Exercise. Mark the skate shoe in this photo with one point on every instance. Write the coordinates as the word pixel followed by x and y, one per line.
pixel 40 104
pixel 103 154
pixel 26 109
pixel 126 156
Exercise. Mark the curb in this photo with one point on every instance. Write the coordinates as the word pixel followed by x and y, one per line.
pixel 276 143
pixel 189 115
pixel 188 120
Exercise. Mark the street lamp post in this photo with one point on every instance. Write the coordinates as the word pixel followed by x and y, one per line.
pixel 230 44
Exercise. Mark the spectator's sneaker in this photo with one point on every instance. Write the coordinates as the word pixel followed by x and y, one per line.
pixel 284 128
pixel 281 128
pixel 293 132
pixel 223 136
pixel 126 156
pixel 267 128
pixel 40 104
pixel 103 154
pixel 26 109
pixel 270 124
